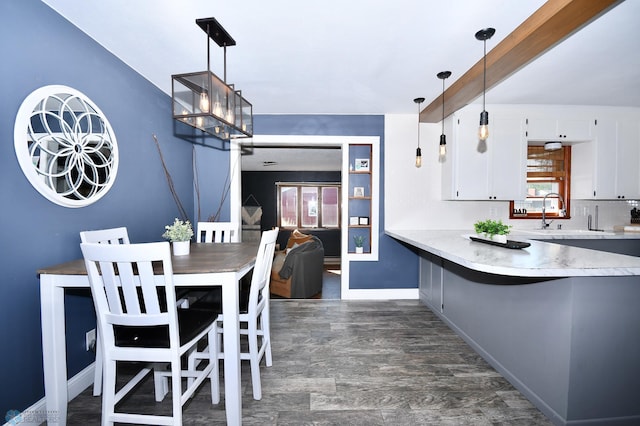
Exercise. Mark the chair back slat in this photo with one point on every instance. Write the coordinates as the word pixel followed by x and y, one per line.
pixel 217 232
pixel 148 288
pixel 129 285
pixel 111 284
pixel 262 269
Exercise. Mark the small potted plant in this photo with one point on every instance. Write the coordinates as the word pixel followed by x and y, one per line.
pixel 358 240
pixel 179 234
pixel 493 230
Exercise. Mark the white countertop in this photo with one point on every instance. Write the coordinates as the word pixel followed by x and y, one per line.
pixel 541 259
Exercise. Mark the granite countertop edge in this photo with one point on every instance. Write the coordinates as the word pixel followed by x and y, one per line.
pixel 540 259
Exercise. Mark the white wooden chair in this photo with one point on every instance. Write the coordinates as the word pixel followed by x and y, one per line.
pixel 254 311
pixel 217 232
pixel 103 236
pixel 137 325
pixel 118 235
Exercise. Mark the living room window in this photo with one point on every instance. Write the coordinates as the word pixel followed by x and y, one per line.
pixel 308 205
pixel 548 172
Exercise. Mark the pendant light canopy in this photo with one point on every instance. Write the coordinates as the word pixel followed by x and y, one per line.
pixel 483 131
pixel 418 101
pixel 443 75
pixel 206 102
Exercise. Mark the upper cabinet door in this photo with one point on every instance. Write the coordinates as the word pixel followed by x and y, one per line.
pixel 542 129
pixel 470 161
pixel 575 129
pixel 508 148
pixel 628 159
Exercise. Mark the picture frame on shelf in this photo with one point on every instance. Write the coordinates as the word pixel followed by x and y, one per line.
pixel 354 220
pixel 361 164
pixel 358 192
pixel 363 220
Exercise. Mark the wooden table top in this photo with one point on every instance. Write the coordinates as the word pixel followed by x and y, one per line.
pixel 204 258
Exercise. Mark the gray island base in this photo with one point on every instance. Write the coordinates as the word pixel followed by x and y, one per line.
pixel 570 344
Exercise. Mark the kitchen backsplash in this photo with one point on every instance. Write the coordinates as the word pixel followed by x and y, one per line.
pixel 610 213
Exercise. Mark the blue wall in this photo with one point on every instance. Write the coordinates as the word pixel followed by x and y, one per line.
pixel 397 266
pixel 39 48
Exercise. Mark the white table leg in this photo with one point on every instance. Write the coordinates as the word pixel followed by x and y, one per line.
pixel 54 355
pixel 231 327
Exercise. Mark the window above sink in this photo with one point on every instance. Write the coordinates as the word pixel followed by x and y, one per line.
pixel 547 172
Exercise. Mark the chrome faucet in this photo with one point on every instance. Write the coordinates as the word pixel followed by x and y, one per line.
pixel 545 225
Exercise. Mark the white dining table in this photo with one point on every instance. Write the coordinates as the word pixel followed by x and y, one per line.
pixel 207 264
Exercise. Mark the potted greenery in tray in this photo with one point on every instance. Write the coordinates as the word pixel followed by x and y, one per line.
pixel 358 240
pixel 493 230
pixel 179 233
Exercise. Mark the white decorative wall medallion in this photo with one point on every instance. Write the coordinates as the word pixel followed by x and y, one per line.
pixel 65 146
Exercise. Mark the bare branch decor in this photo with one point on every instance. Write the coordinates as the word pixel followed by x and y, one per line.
pixel 182 211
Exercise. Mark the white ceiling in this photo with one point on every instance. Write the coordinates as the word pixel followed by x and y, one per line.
pixel 362 56
pixel 270 159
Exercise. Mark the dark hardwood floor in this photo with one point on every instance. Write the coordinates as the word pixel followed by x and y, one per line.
pixel 356 363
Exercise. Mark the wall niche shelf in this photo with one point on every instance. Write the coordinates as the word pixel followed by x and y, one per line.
pixel 360 187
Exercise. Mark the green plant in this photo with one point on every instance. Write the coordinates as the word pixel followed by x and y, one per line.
pixel 358 240
pixel 178 231
pixel 491 227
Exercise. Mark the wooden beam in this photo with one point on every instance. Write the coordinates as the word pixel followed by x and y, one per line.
pixel 549 25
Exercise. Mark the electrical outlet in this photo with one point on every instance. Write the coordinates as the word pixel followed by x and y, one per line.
pixel 90 339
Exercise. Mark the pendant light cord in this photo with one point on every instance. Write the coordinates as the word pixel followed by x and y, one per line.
pixel 418 124
pixel 443 106
pixel 484 76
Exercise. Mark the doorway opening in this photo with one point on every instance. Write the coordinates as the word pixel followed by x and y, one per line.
pixel 267 168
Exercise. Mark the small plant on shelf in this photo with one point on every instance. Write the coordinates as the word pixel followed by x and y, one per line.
pixel 490 228
pixel 358 240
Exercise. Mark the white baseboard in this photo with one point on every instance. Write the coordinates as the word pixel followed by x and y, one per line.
pixel 383 294
pixel 37 413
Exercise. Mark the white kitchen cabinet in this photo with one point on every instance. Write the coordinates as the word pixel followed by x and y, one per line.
pixel 607 168
pixel 495 170
pixel 628 159
pixel 559 129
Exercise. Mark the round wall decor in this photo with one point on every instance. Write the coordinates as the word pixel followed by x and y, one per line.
pixel 65 146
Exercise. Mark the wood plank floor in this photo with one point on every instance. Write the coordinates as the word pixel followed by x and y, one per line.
pixel 356 363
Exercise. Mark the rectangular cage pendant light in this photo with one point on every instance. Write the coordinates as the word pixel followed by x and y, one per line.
pixel 206 102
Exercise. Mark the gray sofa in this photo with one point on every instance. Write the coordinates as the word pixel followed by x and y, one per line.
pixel 297 274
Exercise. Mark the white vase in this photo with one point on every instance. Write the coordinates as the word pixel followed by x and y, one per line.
pixel 496 238
pixel 359 250
pixel 181 248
